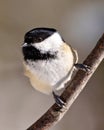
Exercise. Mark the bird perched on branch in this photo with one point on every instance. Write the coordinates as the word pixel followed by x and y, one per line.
pixel 48 60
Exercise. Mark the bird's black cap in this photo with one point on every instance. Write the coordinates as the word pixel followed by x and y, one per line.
pixel 37 35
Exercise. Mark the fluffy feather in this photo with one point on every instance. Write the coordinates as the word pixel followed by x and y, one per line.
pixel 49 73
pixel 46 76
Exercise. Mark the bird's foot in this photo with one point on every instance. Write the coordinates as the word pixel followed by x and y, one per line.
pixel 58 100
pixel 82 67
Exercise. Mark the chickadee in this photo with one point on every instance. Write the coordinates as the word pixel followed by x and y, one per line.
pixel 48 60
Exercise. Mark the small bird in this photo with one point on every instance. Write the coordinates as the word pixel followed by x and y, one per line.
pixel 48 60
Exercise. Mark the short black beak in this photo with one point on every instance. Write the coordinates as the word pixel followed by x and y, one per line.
pixel 24 45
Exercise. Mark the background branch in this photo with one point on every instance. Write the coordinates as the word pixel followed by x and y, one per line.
pixel 73 89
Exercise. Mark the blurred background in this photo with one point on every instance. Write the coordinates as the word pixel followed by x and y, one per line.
pixel 81 23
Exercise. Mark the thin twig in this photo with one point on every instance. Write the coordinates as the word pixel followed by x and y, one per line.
pixel 73 89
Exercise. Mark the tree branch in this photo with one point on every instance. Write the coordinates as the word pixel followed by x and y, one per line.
pixel 73 89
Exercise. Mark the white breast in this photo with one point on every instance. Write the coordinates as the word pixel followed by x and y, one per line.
pixel 51 74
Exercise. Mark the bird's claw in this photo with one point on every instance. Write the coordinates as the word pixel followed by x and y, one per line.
pixel 83 67
pixel 58 100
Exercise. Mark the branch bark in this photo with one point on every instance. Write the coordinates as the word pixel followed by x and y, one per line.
pixel 73 89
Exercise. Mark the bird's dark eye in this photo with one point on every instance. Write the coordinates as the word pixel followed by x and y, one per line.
pixel 40 39
pixel 37 39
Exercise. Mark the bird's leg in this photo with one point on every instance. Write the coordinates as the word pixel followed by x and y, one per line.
pixel 58 100
pixel 82 67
